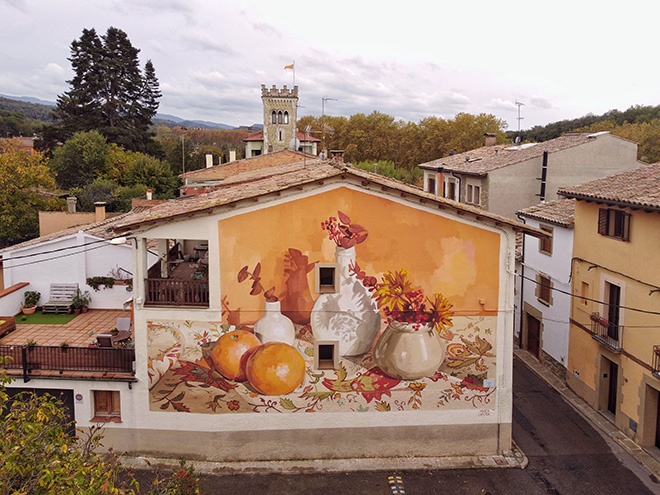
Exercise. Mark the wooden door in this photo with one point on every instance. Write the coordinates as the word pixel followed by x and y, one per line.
pixel 612 388
pixel 534 336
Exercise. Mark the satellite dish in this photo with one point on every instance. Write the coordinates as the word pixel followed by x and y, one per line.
pixel 294 144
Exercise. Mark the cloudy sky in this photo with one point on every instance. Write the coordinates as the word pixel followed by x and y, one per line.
pixel 411 60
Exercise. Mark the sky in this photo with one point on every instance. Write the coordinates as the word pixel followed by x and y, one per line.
pixel 410 60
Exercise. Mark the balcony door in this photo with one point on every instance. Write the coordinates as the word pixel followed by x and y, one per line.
pixel 614 301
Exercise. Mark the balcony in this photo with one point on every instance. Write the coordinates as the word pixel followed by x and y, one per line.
pixel 176 292
pixel 42 361
pixel 656 361
pixel 607 333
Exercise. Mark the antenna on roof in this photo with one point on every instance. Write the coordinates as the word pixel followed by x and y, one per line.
pixel 519 104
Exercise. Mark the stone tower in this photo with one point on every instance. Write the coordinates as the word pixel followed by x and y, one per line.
pixel 280 116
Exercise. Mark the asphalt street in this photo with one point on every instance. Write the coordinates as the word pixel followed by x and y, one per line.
pixel 567 456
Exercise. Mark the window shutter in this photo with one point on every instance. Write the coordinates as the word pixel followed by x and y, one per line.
pixel 602 221
pixel 626 227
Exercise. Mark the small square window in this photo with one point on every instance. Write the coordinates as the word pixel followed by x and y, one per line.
pixel 614 223
pixel 431 184
pixel 584 293
pixel 326 354
pixel 545 244
pixel 325 278
pixel 107 406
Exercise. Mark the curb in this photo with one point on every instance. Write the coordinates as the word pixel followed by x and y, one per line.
pixel 594 417
pixel 513 458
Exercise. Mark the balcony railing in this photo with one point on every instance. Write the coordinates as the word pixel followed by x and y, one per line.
pixel 607 333
pixel 176 292
pixel 59 358
pixel 656 361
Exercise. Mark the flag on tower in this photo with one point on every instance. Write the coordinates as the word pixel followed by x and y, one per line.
pixel 288 66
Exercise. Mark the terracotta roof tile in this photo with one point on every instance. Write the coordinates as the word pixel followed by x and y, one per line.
pixel 256 183
pixel 482 160
pixel 639 187
pixel 560 212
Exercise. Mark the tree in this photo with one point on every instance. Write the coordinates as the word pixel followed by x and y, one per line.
pixel 155 174
pixel 24 184
pixel 109 92
pixel 81 160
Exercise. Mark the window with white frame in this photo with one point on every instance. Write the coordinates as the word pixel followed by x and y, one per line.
pixel 473 193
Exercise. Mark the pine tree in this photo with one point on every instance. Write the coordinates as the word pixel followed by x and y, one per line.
pixel 109 92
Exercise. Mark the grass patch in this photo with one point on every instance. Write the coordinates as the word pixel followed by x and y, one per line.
pixel 38 318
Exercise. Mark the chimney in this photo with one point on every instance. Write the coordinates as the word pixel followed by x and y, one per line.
pixel 71 204
pixel 100 211
pixel 232 155
pixel 149 195
pixel 209 160
pixel 491 138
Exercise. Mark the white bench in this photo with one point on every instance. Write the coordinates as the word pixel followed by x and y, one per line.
pixel 61 298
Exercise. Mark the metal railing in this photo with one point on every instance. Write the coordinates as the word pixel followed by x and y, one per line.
pixel 61 358
pixel 607 333
pixel 176 292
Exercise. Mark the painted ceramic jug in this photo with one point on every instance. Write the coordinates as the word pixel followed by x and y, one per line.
pixel 408 354
pixel 273 326
pixel 349 315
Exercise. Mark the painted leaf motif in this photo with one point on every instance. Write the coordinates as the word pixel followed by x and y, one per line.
pixel 360 238
pixel 257 271
pixel 256 288
pixel 287 404
pixel 461 362
pixel 484 345
pixel 180 406
pixel 382 406
pixel 356 229
pixel 179 397
pixel 471 347
pixel 269 295
pixel 243 274
pixel 343 218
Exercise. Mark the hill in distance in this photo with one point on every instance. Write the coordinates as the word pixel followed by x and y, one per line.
pixel 40 109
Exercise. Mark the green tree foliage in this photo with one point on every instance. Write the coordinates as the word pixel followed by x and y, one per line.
pixel 14 124
pixel 109 92
pixel 380 137
pixel 412 176
pixel 155 174
pixel 24 184
pixel 646 134
pixel 80 160
pixel 34 111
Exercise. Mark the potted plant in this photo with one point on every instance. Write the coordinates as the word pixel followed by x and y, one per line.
pixel 80 301
pixel 31 299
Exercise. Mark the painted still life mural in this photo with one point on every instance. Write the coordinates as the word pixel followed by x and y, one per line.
pixel 389 335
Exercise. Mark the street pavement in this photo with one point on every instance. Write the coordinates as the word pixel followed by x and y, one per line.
pixel 566 455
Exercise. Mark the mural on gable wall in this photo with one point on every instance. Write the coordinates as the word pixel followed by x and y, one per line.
pixel 401 305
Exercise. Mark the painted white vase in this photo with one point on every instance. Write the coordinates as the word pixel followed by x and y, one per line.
pixel 273 326
pixel 408 354
pixel 349 315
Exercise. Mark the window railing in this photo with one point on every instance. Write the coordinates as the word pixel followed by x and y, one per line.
pixel 61 358
pixel 176 292
pixel 607 333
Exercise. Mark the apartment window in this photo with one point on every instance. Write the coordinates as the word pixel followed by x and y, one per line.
pixel 473 194
pixel 106 406
pixel 545 245
pixel 451 190
pixel 431 185
pixel 325 278
pixel 614 223
pixel 544 289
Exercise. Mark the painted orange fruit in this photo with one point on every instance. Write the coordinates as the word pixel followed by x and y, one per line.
pixel 275 368
pixel 230 353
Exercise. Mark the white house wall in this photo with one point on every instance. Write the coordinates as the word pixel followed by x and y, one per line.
pixel 555 322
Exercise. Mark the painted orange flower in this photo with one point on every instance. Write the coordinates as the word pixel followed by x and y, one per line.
pixel 457 350
pixel 233 405
pixel 391 294
pixel 441 312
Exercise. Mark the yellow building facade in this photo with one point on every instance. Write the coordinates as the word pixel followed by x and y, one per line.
pixel 614 344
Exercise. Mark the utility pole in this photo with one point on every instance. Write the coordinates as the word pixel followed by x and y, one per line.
pixel 519 117
pixel 183 150
pixel 323 100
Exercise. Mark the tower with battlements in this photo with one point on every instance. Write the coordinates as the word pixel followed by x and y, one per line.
pixel 280 116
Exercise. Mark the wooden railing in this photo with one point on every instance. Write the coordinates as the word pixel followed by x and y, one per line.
pixel 176 292
pixel 607 333
pixel 59 358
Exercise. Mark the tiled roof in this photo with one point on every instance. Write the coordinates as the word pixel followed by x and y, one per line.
pixel 219 172
pixel 560 212
pixel 103 230
pixel 639 187
pixel 259 136
pixel 482 160
pixel 258 183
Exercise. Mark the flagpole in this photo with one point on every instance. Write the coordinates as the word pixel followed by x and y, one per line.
pixel 294 73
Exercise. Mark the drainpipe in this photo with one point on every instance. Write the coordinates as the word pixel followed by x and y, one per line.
pixel 544 175
pixel 522 286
